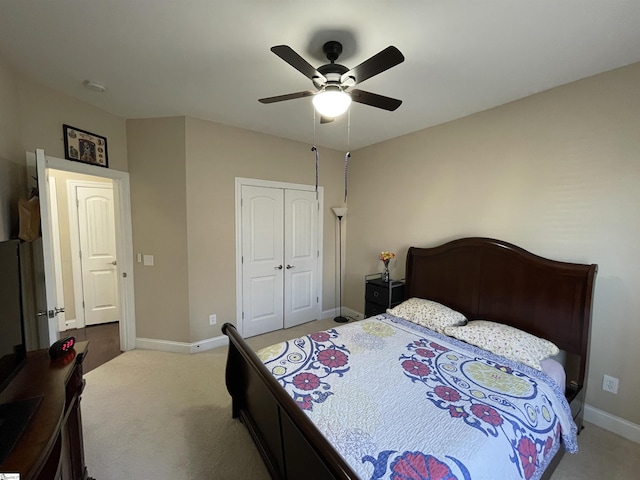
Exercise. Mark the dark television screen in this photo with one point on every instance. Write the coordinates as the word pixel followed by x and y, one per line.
pixel 12 343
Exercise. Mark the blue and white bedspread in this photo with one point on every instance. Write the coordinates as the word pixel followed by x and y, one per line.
pixel 401 402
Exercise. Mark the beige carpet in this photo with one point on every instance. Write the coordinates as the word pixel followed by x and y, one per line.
pixel 154 415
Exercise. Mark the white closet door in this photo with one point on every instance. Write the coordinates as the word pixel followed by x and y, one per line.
pixel 262 259
pixel 301 258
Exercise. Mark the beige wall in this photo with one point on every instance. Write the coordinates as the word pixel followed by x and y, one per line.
pixel 557 173
pixel 12 168
pixel 183 174
pixel 216 155
pixel 156 149
pixel 44 111
pixel 31 116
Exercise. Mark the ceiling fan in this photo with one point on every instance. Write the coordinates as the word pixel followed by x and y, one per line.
pixel 334 82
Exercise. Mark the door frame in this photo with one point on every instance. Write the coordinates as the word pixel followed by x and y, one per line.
pixel 254 182
pixel 124 238
pixel 74 233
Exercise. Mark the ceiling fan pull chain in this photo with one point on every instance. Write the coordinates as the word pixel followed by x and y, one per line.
pixel 315 149
pixel 346 162
pixel 348 155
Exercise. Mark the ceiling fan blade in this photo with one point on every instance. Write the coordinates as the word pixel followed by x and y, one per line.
pixel 287 54
pixel 375 100
pixel 288 96
pixel 381 61
pixel 324 119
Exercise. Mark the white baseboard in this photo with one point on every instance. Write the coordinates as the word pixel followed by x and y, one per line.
pixel 209 344
pixel 181 347
pixel 70 324
pixel 347 312
pixel 331 313
pixel 617 425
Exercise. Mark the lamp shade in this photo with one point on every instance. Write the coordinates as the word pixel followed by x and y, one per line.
pixel 331 103
pixel 340 212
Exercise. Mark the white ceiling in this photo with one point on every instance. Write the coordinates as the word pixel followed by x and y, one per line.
pixel 210 59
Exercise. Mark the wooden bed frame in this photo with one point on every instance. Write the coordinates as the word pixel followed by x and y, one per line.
pixel 482 278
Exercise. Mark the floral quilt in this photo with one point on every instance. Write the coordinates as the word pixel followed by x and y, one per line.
pixel 401 402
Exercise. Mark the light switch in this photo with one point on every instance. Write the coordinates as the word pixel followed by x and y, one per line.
pixel 139 258
pixel 147 260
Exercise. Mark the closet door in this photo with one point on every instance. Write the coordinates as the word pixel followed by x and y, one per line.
pixel 301 258
pixel 279 258
pixel 262 259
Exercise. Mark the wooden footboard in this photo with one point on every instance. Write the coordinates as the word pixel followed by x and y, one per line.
pixel 290 444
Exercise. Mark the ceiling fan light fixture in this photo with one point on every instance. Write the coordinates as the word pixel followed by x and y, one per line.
pixel 331 102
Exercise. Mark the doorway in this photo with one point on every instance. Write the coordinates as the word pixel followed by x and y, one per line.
pixel 93 253
pixel 47 167
pixel 279 255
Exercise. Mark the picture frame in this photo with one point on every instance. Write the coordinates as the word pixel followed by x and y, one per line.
pixel 85 147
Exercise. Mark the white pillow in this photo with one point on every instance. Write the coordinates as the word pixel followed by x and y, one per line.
pixel 506 341
pixel 427 313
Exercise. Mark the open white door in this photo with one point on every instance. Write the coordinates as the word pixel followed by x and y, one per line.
pixel 47 250
pixel 124 241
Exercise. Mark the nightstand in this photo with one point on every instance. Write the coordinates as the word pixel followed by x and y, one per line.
pixel 381 295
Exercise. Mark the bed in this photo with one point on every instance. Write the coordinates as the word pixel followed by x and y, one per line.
pixel 480 278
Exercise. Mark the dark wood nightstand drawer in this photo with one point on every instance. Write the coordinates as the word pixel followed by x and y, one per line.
pixel 371 309
pixel 379 292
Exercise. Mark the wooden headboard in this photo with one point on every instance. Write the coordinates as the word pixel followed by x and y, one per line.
pixel 494 280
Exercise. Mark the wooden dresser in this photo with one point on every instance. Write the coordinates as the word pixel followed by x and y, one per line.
pixel 50 446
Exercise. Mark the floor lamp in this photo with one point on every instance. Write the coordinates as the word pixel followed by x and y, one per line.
pixel 340 212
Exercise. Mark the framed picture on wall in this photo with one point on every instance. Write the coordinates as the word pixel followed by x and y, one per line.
pixel 83 146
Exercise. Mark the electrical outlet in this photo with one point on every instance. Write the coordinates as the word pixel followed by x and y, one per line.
pixel 212 319
pixel 610 384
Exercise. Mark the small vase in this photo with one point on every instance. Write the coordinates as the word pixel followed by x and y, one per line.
pixel 385 273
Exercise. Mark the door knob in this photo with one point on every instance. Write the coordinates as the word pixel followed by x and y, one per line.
pixel 279 267
pixel 59 310
pixel 289 267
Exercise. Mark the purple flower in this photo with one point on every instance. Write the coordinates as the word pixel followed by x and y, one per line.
pixel 437 346
pixel 528 456
pixel 487 414
pixel 320 336
pixel 306 381
pixel 447 393
pixel 416 368
pixel 418 466
pixel 332 358
pixel 423 352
